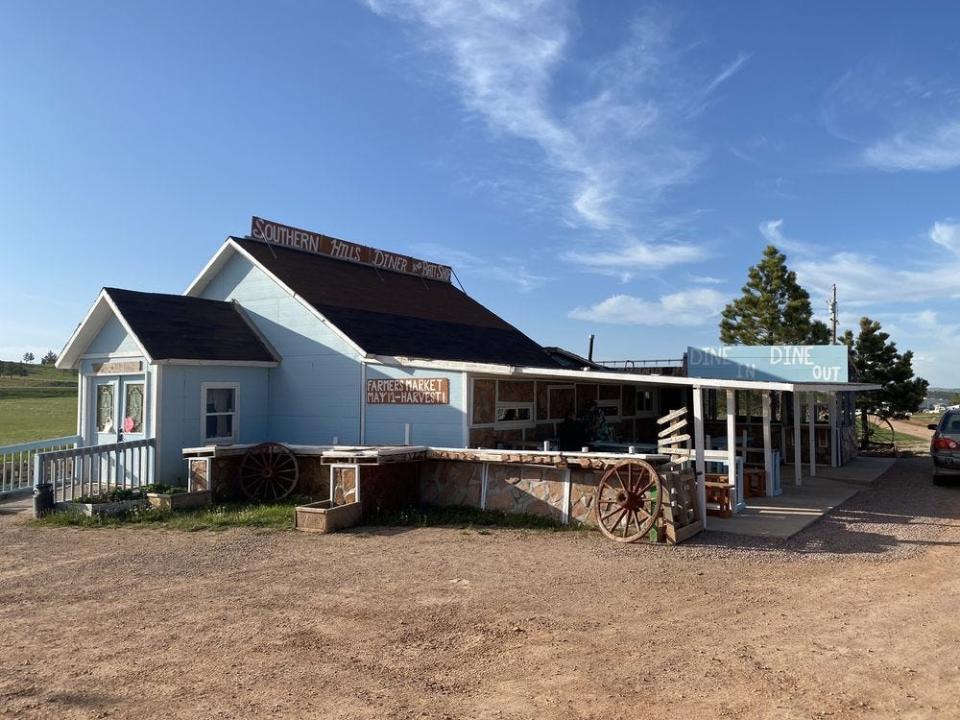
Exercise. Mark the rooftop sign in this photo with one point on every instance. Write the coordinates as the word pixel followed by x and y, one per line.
pixel 777 363
pixel 291 237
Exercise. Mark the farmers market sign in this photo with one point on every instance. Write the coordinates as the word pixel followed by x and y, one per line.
pixel 409 391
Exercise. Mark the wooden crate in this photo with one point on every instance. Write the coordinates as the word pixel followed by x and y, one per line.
pixel 679 516
pixel 718 493
pixel 754 482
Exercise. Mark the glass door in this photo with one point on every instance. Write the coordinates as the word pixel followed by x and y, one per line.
pixel 105 412
pixel 131 415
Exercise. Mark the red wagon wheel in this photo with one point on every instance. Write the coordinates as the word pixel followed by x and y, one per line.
pixel 269 471
pixel 629 498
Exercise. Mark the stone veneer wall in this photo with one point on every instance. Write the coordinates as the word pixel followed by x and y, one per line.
pixel 848 444
pixel 512 488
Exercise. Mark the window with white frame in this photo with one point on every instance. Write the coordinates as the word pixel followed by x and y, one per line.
pixel 609 408
pixel 219 416
pixel 514 415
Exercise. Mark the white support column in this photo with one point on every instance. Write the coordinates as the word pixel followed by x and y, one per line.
pixel 767 443
pixel 834 438
pixel 732 441
pixel 812 432
pixel 700 463
pixel 797 454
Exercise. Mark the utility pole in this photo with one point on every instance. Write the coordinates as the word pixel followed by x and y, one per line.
pixel 832 305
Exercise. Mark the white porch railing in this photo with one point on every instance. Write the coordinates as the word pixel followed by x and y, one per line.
pixel 17 461
pixel 96 469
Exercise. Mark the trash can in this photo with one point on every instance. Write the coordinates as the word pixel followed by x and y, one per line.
pixel 42 499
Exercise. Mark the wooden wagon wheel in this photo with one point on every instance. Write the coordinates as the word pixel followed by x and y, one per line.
pixel 269 471
pixel 629 498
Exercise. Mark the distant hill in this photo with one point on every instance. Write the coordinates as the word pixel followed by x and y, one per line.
pixel 32 380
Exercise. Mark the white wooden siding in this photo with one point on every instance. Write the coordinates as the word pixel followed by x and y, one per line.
pixel 313 392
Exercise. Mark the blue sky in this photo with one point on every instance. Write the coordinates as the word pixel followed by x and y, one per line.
pixel 597 167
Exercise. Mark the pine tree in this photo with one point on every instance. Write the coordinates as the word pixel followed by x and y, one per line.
pixel 773 310
pixel 49 359
pixel 875 360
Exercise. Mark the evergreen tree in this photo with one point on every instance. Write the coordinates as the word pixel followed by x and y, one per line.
pixel 875 360
pixel 49 359
pixel 773 310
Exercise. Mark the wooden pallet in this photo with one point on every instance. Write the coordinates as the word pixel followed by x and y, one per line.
pixel 672 439
pixel 680 516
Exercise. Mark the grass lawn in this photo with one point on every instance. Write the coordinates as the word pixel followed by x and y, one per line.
pixel 40 404
pixel 924 419
pixel 37 418
pixel 881 434
pixel 280 516
pixel 273 516
pixel 37 377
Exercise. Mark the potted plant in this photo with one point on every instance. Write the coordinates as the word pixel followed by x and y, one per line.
pixel 113 502
pixel 176 497
pixel 325 517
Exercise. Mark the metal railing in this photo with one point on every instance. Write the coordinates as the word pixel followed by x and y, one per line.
pixel 665 366
pixel 96 469
pixel 17 461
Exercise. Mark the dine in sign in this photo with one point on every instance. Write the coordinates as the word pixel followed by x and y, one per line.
pixel 776 363
pixel 408 391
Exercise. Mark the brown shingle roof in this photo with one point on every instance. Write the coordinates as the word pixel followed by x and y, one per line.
pixel 390 313
pixel 178 327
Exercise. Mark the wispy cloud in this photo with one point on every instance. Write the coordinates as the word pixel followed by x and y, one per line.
pixel 632 256
pixel 728 71
pixel 686 308
pixel 706 280
pixel 772 231
pixel 503 270
pixel 898 122
pixel 865 281
pixel 946 233
pixel 935 148
pixel 616 148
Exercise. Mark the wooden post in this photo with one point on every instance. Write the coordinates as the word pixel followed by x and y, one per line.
pixel 797 455
pixel 698 441
pixel 812 432
pixel 767 444
pixel 834 444
pixel 732 444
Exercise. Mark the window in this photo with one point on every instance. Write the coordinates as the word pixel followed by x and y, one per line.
pixel 133 408
pixel 105 408
pixel 609 408
pixel 514 415
pixel 645 401
pixel 219 413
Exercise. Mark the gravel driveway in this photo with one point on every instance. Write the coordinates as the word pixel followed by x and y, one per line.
pixel 857 617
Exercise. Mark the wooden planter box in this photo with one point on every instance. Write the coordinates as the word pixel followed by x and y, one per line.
pixel 322 517
pixel 179 501
pixel 101 509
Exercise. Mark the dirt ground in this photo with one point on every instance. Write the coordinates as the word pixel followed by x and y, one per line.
pixel 858 617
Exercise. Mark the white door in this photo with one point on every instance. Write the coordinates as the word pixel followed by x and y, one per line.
pixel 119 405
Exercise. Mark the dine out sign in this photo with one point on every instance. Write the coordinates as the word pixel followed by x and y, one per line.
pixel 408 391
pixel 785 363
